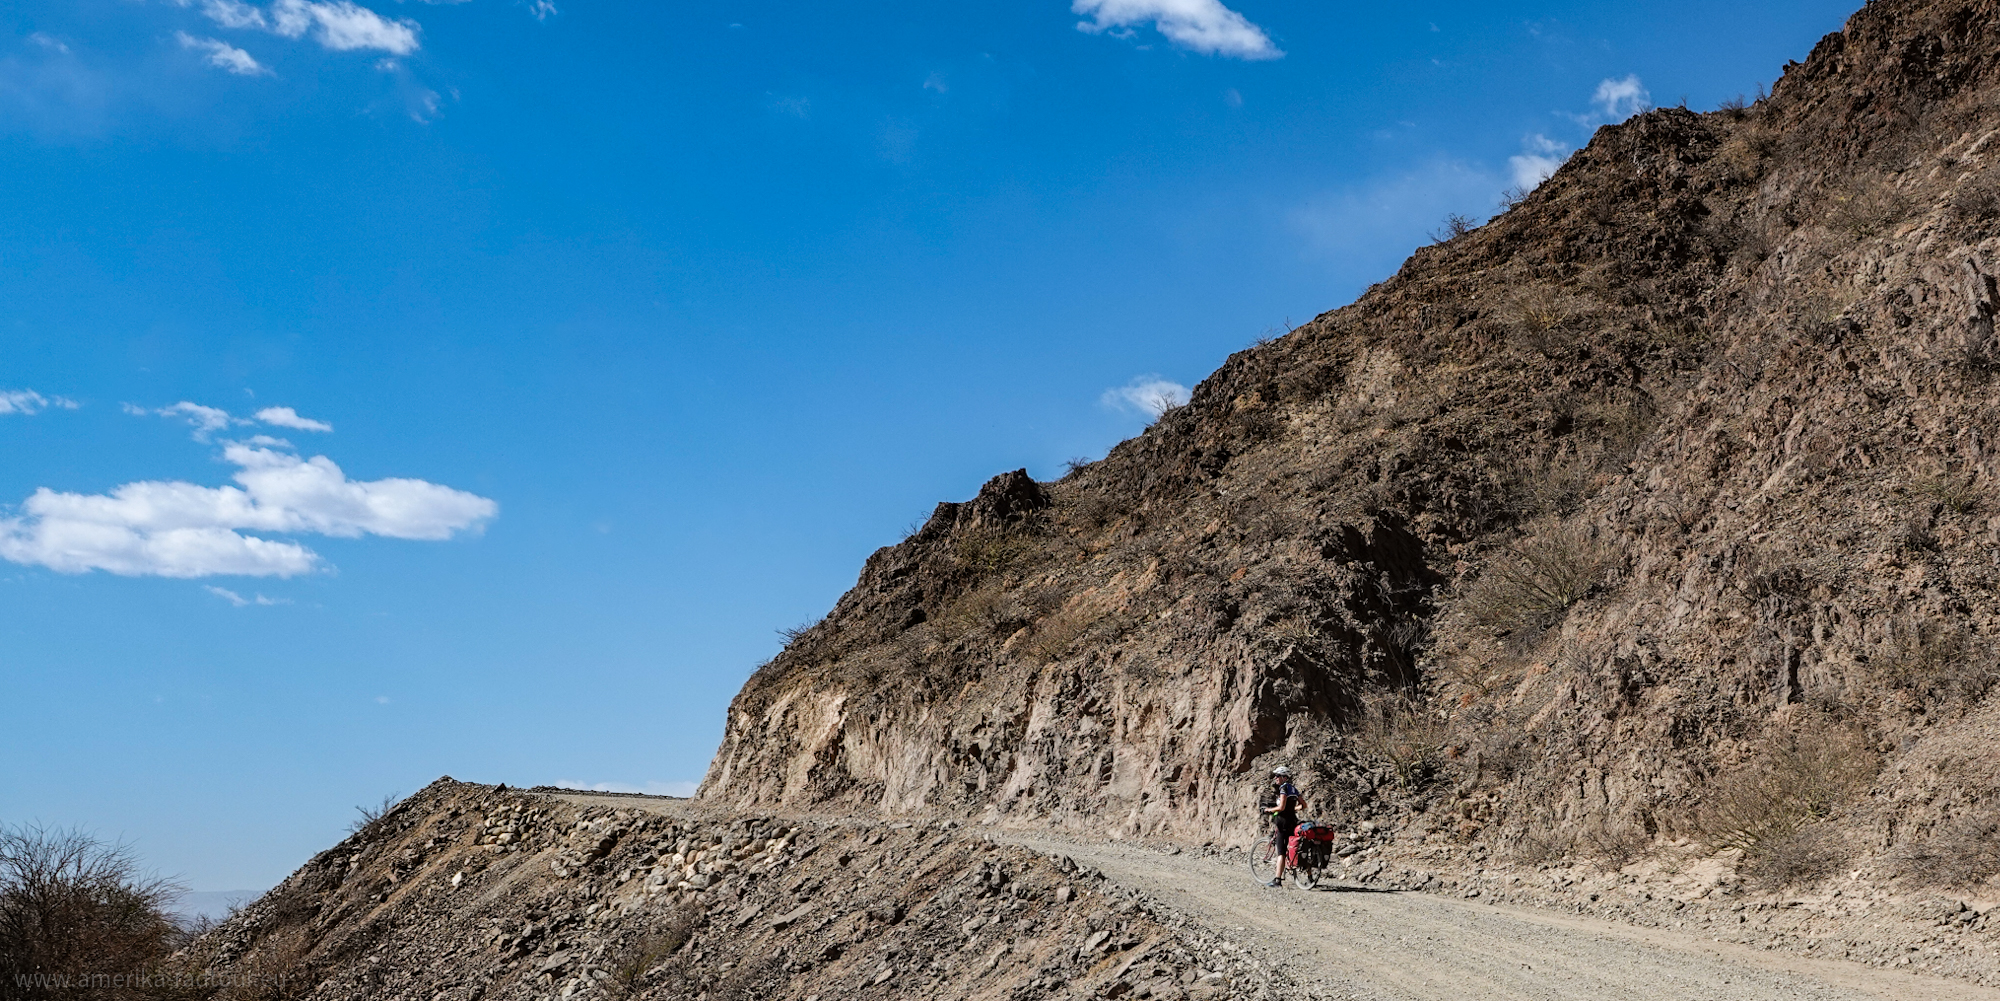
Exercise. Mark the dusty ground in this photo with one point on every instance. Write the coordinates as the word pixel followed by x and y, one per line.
pixel 1361 941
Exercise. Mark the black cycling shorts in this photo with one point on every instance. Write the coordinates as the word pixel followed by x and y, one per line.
pixel 1286 827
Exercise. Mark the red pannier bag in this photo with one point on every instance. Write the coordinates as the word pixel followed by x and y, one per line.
pixel 1314 839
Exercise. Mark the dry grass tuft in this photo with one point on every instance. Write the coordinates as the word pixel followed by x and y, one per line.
pixel 1054 634
pixel 1542 319
pixel 1960 854
pixel 1954 494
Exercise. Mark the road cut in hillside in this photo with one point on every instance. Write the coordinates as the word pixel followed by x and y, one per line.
pixel 1377 945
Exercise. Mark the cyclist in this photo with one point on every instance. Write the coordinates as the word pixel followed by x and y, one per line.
pixel 1282 806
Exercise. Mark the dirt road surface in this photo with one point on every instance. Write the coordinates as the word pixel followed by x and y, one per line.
pixel 1365 944
pixel 1374 945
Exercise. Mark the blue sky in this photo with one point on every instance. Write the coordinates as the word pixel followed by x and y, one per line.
pixel 400 389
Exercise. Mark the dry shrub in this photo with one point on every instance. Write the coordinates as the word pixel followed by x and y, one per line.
pixel 368 815
pixel 1615 847
pixel 1473 675
pixel 73 905
pixel 1959 854
pixel 1399 644
pixel 1543 847
pixel 989 610
pixel 1795 858
pixel 1937 666
pixel 1798 779
pixel 989 552
pixel 1054 634
pixel 1746 151
pixel 1977 201
pixel 275 970
pixel 651 957
pixel 1867 212
pixel 1760 574
pixel 1599 438
pixel 1533 582
pixel 1296 631
pixel 1095 509
pixel 1753 247
pixel 1397 728
pixel 1455 225
pixel 1556 483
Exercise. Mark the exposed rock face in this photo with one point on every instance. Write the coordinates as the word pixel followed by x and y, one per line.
pixel 1665 475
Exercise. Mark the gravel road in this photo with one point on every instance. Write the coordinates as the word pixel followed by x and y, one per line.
pixel 1370 944
pixel 1366 944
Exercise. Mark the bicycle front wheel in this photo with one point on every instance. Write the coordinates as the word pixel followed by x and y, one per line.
pixel 1264 860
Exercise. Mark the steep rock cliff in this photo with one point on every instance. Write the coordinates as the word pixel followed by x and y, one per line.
pixel 1677 470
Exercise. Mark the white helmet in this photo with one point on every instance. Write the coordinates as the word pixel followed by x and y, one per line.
pixel 1282 770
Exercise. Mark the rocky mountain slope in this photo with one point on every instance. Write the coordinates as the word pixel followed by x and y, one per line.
pixel 1655 511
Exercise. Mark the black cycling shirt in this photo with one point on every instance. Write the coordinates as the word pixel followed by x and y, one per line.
pixel 1288 797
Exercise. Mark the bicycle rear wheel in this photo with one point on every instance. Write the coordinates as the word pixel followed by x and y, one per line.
pixel 1264 860
pixel 1305 877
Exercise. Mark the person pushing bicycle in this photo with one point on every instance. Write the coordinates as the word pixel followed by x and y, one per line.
pixel 1282 806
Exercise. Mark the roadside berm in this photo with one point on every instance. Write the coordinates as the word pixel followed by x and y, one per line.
pixel 465 891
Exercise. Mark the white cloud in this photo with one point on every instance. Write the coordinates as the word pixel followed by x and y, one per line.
pixel 545 9
pixel 1539 158
pixel 223 56
pixel 27 401
pixel 1621 99
pixel 339 25
pixel 235 14
pixel 180 529
pixel 423 105
pixel 204 420
pixel 1201 25
pixel 50 43
pixel 1147 394
pixel 344 27
pixel 652 788
pixel 286 417
pixel 240 601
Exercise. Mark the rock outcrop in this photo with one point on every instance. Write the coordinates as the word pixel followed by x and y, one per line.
pixel 1659 506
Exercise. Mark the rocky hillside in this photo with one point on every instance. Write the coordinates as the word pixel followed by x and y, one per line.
pixel 1656 509
pixel 466 891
